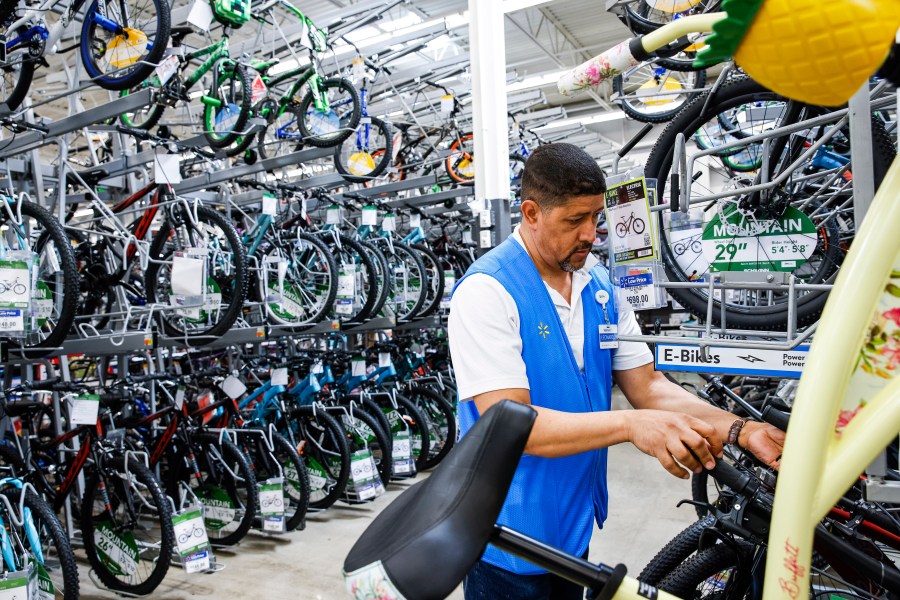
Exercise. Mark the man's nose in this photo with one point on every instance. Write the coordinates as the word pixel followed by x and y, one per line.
pixel 587 232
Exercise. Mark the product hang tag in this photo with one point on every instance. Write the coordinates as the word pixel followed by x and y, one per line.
pixel 166 167
pixel 384 360
pixel 269 204
pixel 192 540
pixel 167 68
pixel 333 215
pixel 85 409
pixel 389 223
pixel 415 220
pixel 446 104
pixel 258 89
pixel 609 337
pixel 317 368
pixel 279 377
pixel 358 71
pixel 358 367
pixel 369 215
pixel 201 15
pixel 233 387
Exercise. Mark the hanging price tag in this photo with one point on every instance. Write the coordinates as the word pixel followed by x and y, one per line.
pixel 389 223
pixel 343 304
pixel 167 68
pixel 166 167
pixel 233 387
pixel 200 16
pixel 279 377
pixel 269 204
pixel 333 215
pixel 358 367
pixel 15 284
pixel 384 360
pixel 446 104
pixel 401 454
pixel 369 215
pixel 317 368
pixel 18 585
pixel 188 277
pixel 192 540
pixel 449 282
pixel 358 71
pixel 415 220
pixel 467 236
pixel 85 409
pixel 366 482
pixel 303 203
pixel 271 504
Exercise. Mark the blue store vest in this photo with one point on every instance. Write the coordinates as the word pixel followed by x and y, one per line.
pixel 554 500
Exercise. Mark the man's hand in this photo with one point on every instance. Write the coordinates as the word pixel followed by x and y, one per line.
pixel 670 437
pixel 764 441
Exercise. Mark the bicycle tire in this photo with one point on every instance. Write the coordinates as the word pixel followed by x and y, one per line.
pixel 434 272
pixel 285 120
pixel 153 113
pixel 382 276
pixel 375 440
pixel 419 437
pixel 675 552
pixel 325 448
pixel 441 420
pixel 404 262
pixel 18 73
pixel 50 334
pixel 808 306
pixel 289 465
pixel 457 163
pixel 58 558
pixel 104 568
pixel 303 293
pixel 349 250
pixel 143 64
pixel 372 408
pixel 243 142
pixel 346 122
pixel 635 109
pixel 243 494
pixel 638 21
pixel 237 97
pixel 357 169
pixel 229 279
pixel 684 580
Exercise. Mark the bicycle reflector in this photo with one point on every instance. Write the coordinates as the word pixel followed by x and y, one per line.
pixel 813 51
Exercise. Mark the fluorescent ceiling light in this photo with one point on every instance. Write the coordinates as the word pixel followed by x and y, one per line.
pixel 511 5
pixel 602 117
pixel 536 81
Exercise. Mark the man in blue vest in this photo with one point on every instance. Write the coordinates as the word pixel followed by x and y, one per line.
pixel 536 320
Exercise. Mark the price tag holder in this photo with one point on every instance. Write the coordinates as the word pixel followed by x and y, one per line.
pixel 167 68
pixel 369 215
pixel 271 504
pixel 366 483
pixel 233 387
pixel 166 166
pixel 637 285
pixel 384 360
pixel 446 104
pixel 279 377
pixel 85 409
pixel 389 223
pixel 269 204
pixel 192 540
pixel 358 367
pixel 333 215
pixel 343 304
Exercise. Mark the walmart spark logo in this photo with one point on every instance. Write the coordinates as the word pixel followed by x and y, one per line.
pixel 543 330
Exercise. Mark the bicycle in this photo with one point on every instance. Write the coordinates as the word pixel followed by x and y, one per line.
pixel 630 224
pixel 821 459
pixel 15 286
pixel 197 532
pixel 121 43
pixel 683 246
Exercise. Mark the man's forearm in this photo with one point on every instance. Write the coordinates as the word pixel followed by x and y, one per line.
pixel 558 433
pixel 662 394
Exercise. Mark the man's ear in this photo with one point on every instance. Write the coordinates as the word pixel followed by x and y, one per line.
pixel 530 210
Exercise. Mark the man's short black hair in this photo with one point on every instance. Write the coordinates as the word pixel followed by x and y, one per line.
pixel 556 172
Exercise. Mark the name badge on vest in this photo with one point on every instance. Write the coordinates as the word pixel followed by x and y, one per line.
pixel 609 337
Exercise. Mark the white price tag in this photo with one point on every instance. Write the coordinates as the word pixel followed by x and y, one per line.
pixel 12 319
pixel 333 215
pixel 167 68
pixel 384 360
pixel 201 15
pixel 467 236
pixel 343 304
pixel 401 454
pixel 269 205
pixel 166 167
pixel 449 283
pixel 389 223
pixel 415 220
pixel 233 387
pixel 190 531
pixel 279 377
pixel 359 68
pixel 317 368
pixel 637 289
pixel 446 104
pixel 369 215
pixel 85 409
pixel 358 367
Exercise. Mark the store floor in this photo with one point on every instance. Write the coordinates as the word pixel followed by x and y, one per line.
pixel 306 565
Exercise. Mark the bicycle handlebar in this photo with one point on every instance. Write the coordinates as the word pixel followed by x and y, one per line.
pixel 146 136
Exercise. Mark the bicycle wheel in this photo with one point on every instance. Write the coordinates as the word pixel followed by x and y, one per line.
pixel 45 540
pixel 434 280
pixel 804 227
pixel 675 552
pixel 225 267
pixel 29 228
pixel 227 488
pixel 126 522
pixel 330 126
pixel 365 155
pixel 226 113
pixel 348 254
pixel 18 72
pixel 283 460
pixel 281 135
pixel 300 281
pixel 419 436
pixel 408 288
pixel 122 56
pixel 645 16
pixel 365 433
pixel 460 163
pixel 326 452
pixel 382 277
pixel 652 94
pixel 144 117
pixel 711 573
pixel 441 420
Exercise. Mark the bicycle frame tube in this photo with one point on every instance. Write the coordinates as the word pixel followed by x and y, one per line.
pixel 819 465
pixel 55 33
pixel 257 234
pixel 216 52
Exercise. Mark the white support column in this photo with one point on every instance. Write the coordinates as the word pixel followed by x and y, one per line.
pixel 488 51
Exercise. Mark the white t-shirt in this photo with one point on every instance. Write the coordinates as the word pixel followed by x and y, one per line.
pixel 486 345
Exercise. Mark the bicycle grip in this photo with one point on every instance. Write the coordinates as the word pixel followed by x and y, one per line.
pixel 734 478
pixel 778 418
pixel 141 134
pixel 602 67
